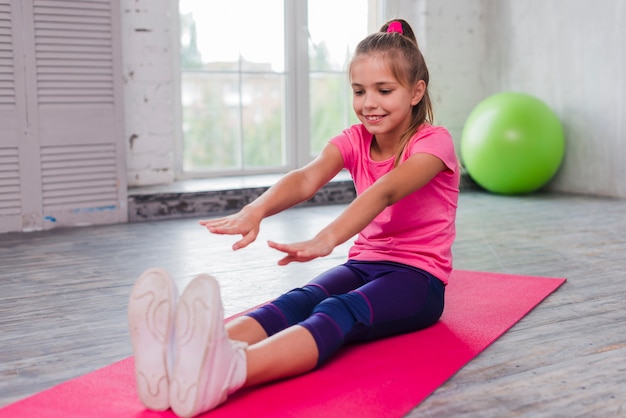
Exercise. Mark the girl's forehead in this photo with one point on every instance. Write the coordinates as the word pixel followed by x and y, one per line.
pixel 368 66
pixel 378 59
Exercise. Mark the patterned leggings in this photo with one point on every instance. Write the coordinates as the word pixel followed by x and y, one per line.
pixel 357 301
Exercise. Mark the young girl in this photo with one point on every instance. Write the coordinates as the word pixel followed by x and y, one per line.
pixel 406 175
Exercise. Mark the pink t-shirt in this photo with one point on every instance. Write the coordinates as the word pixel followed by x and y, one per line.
pixel 419 229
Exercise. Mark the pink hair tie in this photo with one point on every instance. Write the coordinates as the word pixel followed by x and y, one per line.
pixel 395 26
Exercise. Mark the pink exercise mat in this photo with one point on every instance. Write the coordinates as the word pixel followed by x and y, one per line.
pixel 382 378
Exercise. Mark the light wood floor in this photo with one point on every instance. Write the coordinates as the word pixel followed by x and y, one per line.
pixel 63 296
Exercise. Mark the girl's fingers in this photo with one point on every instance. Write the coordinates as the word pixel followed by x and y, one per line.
pixel 247 239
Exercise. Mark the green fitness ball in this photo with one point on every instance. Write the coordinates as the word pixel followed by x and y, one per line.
pixel 512 143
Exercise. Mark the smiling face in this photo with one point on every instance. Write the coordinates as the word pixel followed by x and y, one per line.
pixel 379 100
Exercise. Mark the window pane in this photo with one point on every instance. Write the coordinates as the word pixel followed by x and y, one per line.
pixel 262 104
pixel 227 31
pixel 333 38
pixel 331 107
pixel 211 121
pixel 233 77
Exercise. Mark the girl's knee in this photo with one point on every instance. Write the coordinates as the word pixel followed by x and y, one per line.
pixel 346 309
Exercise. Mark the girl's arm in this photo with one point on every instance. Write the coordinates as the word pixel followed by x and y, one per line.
pixel 403 180
pixel 295 187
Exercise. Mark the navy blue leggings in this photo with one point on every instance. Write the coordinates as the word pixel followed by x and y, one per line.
pixel 357 301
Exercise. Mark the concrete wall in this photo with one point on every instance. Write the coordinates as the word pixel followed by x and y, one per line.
pixel 149 31
pixel 572 55
pixel 569 53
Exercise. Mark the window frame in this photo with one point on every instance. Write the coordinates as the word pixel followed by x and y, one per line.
pixel 297 96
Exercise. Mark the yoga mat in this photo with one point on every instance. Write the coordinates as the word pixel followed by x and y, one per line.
pixel 382 378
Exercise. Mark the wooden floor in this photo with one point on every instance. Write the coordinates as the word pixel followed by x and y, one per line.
pixel 63 296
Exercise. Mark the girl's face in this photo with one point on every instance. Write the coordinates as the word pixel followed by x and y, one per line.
pixel 380 102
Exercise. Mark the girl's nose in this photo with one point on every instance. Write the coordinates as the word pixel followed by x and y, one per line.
pixel 369 102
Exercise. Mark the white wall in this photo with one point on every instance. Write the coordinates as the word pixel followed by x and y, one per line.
pixel 569 53
pixel 148 33
pixel 572 55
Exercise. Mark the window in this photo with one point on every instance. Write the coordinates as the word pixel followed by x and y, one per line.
pixel 332 39
pixel 263 91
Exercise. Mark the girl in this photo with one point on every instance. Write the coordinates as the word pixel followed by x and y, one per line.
pixel 406 175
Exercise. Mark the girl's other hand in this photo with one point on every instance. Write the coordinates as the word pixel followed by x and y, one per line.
pixel 301 251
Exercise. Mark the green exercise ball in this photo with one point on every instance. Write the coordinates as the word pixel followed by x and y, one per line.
pixel 512 143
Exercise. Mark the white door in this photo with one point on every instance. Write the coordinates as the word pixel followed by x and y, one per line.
pixel 62 133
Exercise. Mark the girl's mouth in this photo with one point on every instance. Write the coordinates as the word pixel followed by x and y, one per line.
pixel 372 118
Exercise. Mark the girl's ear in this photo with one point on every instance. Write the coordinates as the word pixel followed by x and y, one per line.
pixel 418 92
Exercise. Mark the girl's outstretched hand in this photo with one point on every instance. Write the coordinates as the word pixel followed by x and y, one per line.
pixel 302 251
pixel 239 223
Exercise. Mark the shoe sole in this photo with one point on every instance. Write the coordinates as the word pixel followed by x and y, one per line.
pixel 150 323
pixel 199 318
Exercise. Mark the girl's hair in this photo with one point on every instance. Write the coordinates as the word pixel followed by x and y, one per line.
pixel 398 46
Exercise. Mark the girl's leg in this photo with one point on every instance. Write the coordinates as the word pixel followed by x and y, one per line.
pixel 401 301
pixel 288 353
pixel 209 365
pixel 246 329
pixel 397 299
pixel 292 307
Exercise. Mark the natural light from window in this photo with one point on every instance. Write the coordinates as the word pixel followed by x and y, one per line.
pixel 235 83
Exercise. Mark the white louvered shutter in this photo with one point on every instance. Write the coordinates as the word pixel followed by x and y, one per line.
pixel 74 114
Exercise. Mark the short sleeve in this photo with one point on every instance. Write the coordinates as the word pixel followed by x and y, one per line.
pixel 437 141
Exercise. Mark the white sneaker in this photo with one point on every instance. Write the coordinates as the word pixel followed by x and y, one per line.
pixel 208 366
pixel 151 310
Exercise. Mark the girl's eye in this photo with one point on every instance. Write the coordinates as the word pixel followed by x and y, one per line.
pixel 358 92
pixel 385 91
